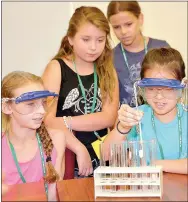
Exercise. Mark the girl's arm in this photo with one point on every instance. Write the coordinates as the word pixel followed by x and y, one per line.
pixel 99 120
pixel 174 166
pixel 59 142
pixel 52 80
pixel 89 122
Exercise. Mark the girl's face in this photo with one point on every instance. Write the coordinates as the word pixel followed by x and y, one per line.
pixel 126 26
pixel 161 104
pixel 88 43
pixel 28 114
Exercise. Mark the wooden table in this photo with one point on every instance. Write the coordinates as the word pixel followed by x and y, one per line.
pixel 26 192
pixel 174 189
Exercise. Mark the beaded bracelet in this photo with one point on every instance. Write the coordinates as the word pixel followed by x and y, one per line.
pixel 65 121
pixel 70 123
pixel 120 131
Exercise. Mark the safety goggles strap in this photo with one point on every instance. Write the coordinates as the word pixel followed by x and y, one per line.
pixel 7 99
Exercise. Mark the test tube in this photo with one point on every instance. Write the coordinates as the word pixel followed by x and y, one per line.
pixel 143 156
pixel 124 163
pixel 154 176
pixel 102 164
pixel 133 162
pixel 113 163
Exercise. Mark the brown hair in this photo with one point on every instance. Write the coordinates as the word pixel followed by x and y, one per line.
pixel 167 58
pixel 115 7
pixel 10 83
pixel 105 68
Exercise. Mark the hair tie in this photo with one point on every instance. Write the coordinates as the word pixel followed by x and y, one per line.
pixel 48 159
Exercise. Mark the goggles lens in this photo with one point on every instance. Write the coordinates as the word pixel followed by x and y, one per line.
pixel 30 106
pixel 169 93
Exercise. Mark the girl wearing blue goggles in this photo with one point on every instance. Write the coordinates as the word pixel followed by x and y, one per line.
pixel 164 117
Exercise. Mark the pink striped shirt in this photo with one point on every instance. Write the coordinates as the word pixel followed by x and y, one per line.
pixel 31 170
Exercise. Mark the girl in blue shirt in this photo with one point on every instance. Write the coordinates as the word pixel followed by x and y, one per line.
pixel 126 19
pixel 164 117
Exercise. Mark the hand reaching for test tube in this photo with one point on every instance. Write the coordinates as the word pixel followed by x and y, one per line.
pixel 128 117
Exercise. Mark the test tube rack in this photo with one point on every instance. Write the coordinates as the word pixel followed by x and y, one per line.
pixel 144 181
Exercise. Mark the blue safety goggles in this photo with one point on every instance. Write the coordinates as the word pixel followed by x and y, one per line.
pixel 31 96
pixel 171 83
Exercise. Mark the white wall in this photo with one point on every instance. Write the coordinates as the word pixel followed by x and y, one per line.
pixel 162 20
pixel 31 34
pixel 32 31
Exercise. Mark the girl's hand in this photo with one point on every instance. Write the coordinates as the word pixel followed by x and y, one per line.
pixel 84 162
pixel 128 117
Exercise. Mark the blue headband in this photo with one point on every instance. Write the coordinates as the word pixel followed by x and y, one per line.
pixel 31 96
pixel 171 83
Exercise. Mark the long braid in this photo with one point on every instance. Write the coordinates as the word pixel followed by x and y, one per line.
pixel 51 174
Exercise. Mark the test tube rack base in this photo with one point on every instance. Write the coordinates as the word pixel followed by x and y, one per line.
pixel 128 181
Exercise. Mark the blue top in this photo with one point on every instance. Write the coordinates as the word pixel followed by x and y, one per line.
pixel 167 133
pixel 126 76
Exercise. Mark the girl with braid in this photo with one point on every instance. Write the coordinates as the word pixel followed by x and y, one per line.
pixel 30 152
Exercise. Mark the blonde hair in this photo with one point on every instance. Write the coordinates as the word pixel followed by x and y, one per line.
pixel 10 83
pixel 105 68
